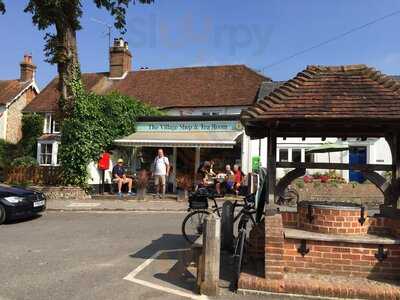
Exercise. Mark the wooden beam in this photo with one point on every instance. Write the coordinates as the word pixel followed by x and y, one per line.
pixel 335 166
pixel 271 169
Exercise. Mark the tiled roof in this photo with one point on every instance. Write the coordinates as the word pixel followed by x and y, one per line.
pixel 231 85
pixel 268 87
pixel 330 93
pixel 47 100
pixel 9 89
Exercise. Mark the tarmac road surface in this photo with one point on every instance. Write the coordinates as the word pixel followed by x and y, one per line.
pixel 70 255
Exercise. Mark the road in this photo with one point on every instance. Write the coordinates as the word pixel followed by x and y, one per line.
pixel 87 256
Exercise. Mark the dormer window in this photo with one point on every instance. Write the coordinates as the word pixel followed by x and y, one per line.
pixel 51 124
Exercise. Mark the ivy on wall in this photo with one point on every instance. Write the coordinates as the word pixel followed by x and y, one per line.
pixel 96 121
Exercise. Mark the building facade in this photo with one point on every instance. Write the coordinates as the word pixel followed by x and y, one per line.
pixel 15 95
pixel 194 95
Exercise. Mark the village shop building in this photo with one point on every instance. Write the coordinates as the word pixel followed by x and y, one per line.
pixel 187 141
pixel 195 94
pixel 202 107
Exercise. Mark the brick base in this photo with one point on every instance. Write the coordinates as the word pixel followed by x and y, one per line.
pixel 323 286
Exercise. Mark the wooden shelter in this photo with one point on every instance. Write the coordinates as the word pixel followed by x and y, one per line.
pixel 341 101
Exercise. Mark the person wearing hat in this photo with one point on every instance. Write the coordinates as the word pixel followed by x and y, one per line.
pixel 119 177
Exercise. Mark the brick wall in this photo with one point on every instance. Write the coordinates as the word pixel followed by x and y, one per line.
pixel 332 220
pixel 290 219
pixel 14 116
pixel 334 258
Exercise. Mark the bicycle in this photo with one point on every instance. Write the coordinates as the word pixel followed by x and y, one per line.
pixel 228 219
pixel 192 225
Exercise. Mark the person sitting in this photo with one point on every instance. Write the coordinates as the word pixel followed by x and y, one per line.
pixel 203 178
pixel 119 177
pixel 239 177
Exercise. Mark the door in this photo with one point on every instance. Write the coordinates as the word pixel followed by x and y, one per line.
pixel 357 155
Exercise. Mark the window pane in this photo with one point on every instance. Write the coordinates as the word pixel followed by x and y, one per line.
pixel 283 155
pixel 296 155
pixel 47 123
pixel 46 154
pixel 56 126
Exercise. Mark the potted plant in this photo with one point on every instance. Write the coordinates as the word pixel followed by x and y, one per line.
pixel 184 184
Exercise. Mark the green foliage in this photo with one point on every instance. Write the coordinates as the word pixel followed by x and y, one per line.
pixel 24 161
pixel 92 127
pixel 32 128
pixel 8 152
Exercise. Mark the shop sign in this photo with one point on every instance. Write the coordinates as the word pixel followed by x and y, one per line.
pixel 189 126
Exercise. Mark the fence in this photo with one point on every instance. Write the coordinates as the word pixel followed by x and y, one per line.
pixel 34 175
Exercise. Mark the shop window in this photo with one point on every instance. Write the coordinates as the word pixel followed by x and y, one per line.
pixel 284 155
pixel 310 157
pixel 46 154
pixel 296 155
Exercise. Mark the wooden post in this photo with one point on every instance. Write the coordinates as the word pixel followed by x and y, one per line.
pixel 271 169
pixel 211 256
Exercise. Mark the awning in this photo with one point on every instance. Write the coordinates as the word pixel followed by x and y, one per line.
pixel 212 139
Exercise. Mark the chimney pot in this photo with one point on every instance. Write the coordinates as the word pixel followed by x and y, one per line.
pixel 27 69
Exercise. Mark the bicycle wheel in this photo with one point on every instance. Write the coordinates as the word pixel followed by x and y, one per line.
pixel 227 226
pixel 192 225
pixel 239 252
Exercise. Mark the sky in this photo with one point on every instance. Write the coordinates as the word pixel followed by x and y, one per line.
pixel 257 33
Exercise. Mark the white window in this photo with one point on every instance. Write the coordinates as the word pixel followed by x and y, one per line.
pixel 211 113
pixel 51 124
pixel 47 153
pixel 47 123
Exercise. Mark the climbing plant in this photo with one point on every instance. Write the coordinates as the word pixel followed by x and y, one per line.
pixel 94 124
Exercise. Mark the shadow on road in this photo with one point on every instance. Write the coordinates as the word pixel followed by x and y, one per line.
pixel 23 220
pixel 173 267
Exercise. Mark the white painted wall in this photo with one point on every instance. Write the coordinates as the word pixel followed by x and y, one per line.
pixel 235 110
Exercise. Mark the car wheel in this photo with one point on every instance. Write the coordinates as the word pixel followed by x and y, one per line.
pixel 2 214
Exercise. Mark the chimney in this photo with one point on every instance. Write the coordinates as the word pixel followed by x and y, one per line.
pixel 120 59
pixel 27 69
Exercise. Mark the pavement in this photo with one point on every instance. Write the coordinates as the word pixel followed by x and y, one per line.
pixel 114 203
pixel 99 255
pixel 117 205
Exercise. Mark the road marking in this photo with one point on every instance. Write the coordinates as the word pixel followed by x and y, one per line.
pixel 131 277
pixel 76 204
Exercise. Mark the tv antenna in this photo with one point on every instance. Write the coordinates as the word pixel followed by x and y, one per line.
pixel 109 27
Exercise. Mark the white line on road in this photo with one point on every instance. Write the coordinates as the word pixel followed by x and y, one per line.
pixel 131 277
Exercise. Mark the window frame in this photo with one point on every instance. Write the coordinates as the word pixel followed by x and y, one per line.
pixel 53 154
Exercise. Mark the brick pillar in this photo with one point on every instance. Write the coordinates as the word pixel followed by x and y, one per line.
pixel 274 240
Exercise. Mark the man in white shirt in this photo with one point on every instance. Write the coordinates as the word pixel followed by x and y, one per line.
pixel 161 172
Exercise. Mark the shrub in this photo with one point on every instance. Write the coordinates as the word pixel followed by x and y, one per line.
pixel 24 161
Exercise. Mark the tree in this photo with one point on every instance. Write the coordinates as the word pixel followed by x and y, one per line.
pixel 63 16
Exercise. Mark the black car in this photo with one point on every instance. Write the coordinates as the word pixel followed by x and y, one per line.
pixel 16 202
